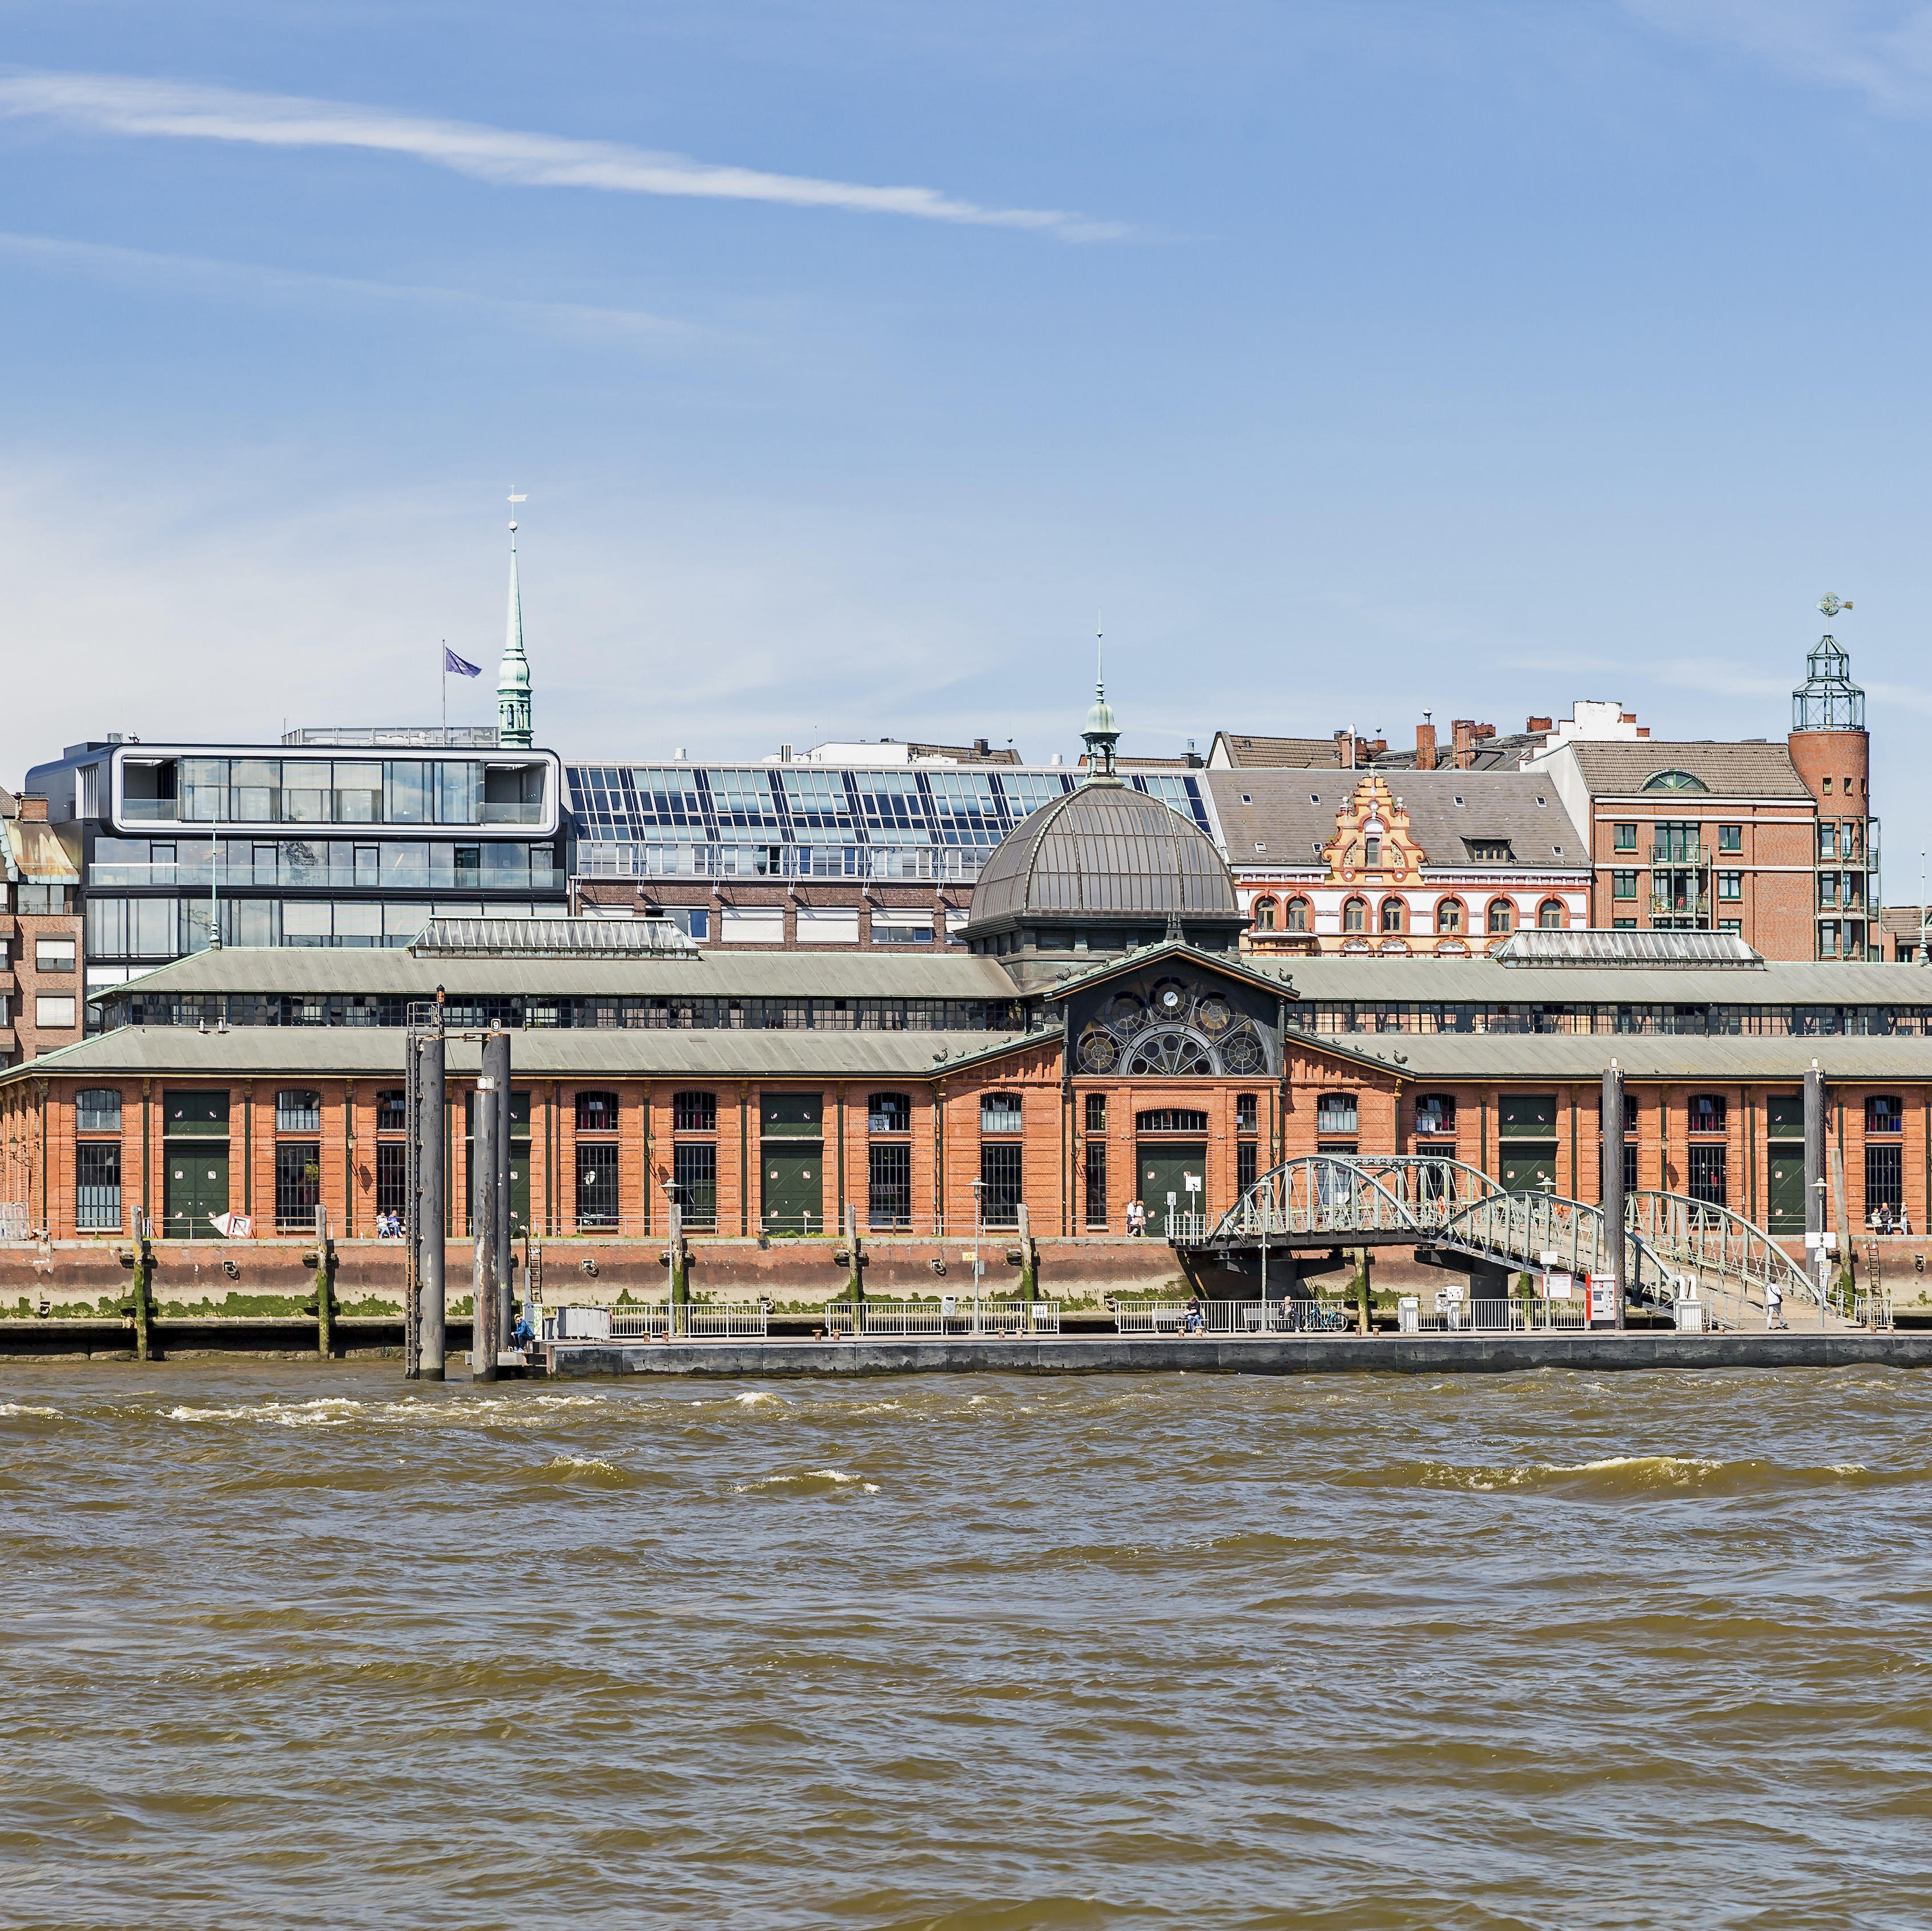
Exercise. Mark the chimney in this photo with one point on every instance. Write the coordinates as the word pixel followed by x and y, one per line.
pixel 1377 746
pixel 1462 734
pixel 1537 726
pixel 1344 749
pixel 784 754
pixel 980 747
pixel 1425 747
pixel 33 808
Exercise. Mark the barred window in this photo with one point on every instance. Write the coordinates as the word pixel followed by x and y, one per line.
pixel 392 1110
pixel 1708 1112
pixel 297 1110
pixel 1245 1163
pixel 1096 1184
pixel 392 1163
pixel 889 1112
pixel 1247 1112
pixel 97 1110
pixel 694 1175
pixel 597 1185
pixel 1001 1183
pixel 694 1112
pixel 1709 1171
pixel 1885 1178
pixel 97 1185
pixel 1000 1112
pixel 1337 1112
pixel 596 1113
pixel 1171 1119
pixel 889 1203
pixel 297 1183
pixel 1884 1112
pixel 1096 1113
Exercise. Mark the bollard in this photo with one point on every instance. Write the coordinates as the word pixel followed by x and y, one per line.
pixel 1029 1259
pixel 1365 1304
pixel 325 1286
pixel 855 1257
pixel 505 1268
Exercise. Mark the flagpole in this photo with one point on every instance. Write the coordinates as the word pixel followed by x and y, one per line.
pixel 446 694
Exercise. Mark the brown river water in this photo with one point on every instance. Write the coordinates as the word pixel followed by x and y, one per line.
pixel 292 1646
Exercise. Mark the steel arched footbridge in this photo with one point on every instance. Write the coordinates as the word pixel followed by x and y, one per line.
pixel 1330 1199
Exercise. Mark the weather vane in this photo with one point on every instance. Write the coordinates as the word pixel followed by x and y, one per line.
pixel 515 499
pixel 1831 604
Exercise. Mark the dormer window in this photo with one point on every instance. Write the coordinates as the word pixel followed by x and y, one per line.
pixel 1488 851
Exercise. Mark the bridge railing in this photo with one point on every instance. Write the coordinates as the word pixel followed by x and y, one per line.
pixel 1695 1235
pixel 1341 1194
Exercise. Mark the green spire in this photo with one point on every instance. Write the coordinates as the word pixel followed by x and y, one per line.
pixel 513 676
pixel 1101 733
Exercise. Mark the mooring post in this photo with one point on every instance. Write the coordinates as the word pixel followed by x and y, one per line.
pixel 1817 1263
pixel 1612 1183
pixel 679 1258
pixel 428 1207
pixel 324 1277
pixel 483 1343
pixel 144 1292
pixel 1365 1305
pixel 499 1042
pixel 1029 1259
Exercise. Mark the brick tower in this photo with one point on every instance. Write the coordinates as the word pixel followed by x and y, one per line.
pixel 1832 753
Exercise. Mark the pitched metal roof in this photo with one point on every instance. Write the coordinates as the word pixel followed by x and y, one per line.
pixel 1105 851
pixel 1527 1058
pixel 1291 816
pixel 1593 946
pixel 1230 964
pixel 395 973
pixel 1727 770
pixel 1482 981
pixel 541 1053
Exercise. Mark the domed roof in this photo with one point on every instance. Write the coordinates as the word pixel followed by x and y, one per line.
pixel 1105 851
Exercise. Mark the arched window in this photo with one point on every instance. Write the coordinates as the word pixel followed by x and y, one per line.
pixel 1171 1119
pixel 1708 1112
pixel 1674 781
pixel 1502 916
pixel 392 1110
pixel 1355 916
pixel 1436 1112
pixel 1265 911
pixel 298 1111
pixel 1884 1112
pixel 694 1112
pixel 1393 919
pixel 1297 915
pixel 1550 914
pixel 889 1112
pixel 597 1112
pixel 1449 915
pixel 97 1110
pixel 1337 1113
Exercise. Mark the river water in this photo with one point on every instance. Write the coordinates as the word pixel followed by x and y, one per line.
pixel 300 1646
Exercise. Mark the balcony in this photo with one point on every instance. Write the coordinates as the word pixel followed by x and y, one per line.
pixel 1690 907
pixel 1675 857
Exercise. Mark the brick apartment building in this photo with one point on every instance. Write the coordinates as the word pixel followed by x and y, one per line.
pixel 40 1004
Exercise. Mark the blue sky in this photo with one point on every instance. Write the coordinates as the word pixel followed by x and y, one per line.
pixel 1350 360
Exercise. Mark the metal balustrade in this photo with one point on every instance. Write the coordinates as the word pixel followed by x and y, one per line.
pixel 696 1320
pixel 1693 1236
pixel 966 1319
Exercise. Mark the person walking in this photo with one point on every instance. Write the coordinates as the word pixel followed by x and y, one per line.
pixel 1774 1306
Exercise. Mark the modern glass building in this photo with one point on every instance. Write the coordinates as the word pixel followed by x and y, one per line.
pixel 901 823
pixel 329 843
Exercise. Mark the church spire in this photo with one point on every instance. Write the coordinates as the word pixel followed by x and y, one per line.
pixel 513 678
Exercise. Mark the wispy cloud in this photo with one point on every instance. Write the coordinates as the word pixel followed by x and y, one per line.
pixel 1881 49
pixel 577 321
pixel 115 104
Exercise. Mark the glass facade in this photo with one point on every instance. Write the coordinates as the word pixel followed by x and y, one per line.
pixel 815 820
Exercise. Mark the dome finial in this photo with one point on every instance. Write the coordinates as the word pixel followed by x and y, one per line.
pixel 1102 733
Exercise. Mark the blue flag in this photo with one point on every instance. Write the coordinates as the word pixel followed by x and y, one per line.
pixel 462 668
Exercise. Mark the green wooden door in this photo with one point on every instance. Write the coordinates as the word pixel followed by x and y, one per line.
pixel 1164 1166
pixel 1786 1195
pixel 794 1189
pixel 1526 1164
pixel 197 1187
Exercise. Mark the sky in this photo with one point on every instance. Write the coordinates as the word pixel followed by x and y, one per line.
pixel 858 359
